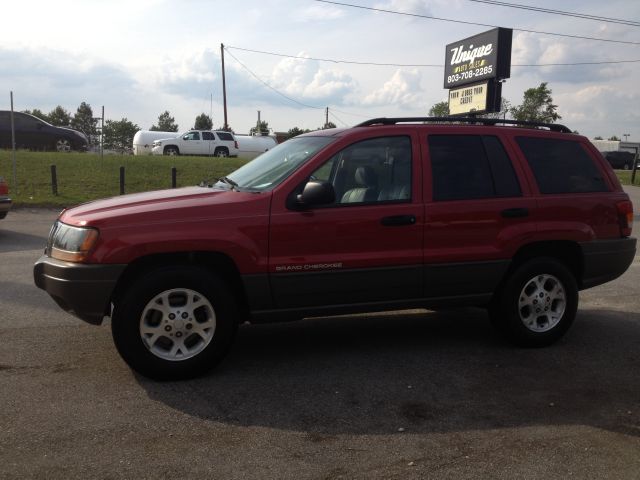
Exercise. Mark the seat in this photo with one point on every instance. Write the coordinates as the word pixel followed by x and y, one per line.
pixel 367 189
pixel 395 192
pixel 400 187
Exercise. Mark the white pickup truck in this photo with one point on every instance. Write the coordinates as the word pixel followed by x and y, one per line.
pixel 198 142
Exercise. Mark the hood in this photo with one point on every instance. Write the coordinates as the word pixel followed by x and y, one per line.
pixel 162 206
pixel 73 131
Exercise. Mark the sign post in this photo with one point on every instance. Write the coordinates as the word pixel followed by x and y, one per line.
pixel 474 70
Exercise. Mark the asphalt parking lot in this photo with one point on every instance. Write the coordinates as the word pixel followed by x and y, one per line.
pixel 399 396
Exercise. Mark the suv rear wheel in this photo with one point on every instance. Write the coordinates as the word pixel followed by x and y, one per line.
pixel 221 152
pixel 537 303
pixel 174 323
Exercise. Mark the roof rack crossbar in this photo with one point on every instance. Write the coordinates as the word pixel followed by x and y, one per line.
pixel 554 127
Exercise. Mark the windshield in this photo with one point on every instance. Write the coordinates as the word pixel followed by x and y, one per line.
pixel 273 166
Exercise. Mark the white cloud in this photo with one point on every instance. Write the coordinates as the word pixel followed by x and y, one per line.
pixel 531 49
pixel 603 110
pixel 186 74
pixel 307 80
pixel 598 102
pixel 43 78
pixel 403 89
pixel 417 7
pixel 319 13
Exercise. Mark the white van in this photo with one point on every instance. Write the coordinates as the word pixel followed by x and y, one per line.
pixel 143 140
pixel 250 146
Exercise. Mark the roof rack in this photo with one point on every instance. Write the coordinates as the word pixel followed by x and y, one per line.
pixel 554 127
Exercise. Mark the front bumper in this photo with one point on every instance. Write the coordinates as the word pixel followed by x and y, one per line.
pixel 80 289
pixel 5 206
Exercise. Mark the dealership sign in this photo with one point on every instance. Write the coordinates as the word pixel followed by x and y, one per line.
pixel 474 68
pixel 478 58
pixel 479 97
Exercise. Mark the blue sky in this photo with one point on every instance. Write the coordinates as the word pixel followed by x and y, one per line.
pixel 139 58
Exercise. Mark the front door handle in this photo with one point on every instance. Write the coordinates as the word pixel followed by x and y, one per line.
pixel 515 212
pixel 398 220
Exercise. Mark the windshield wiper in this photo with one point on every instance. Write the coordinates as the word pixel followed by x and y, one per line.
pixel 212 181
pixel 232 184
pixel 229 182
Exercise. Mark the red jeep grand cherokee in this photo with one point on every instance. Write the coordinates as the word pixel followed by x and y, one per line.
pixel 391 214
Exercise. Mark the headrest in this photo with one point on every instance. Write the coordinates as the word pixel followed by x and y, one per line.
pixel 366 176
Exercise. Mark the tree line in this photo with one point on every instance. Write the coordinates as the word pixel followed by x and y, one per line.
pixel 537 106
pixel 117 134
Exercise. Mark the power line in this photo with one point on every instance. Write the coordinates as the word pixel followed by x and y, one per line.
pixel 269 86
pixel 585 16
pixel 442 19
pixel 282 94
pixel 574 63
pixel 348 113
pixel 298 57
pixel 338 118
pixel 332 60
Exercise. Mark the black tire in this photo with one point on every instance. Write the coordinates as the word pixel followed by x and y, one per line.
pixel 537 303
pixel 160 355
pixel 171 150
pixel 221 152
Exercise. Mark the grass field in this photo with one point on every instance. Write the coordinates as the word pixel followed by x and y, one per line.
pixel 84 176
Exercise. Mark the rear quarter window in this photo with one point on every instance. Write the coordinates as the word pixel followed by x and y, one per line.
pixel 225 136
pixel 561 166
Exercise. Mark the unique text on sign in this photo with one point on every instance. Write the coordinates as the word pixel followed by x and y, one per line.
pixel 478 58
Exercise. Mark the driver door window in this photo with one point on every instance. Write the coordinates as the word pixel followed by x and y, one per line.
pixel 192 144
pixel 371 171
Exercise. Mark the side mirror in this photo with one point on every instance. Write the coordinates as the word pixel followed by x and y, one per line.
pixel 316 193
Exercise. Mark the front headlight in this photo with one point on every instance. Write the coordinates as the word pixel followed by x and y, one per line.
pixel 71 244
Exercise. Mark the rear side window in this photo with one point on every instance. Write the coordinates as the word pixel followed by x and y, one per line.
pixel 561 166
pixel 471 166
pixel 208 136
pixel 225 136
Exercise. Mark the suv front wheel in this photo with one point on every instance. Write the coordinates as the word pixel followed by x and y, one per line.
pixel 537 303
pixel 174 323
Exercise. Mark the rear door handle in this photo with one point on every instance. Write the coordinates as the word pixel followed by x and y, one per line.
pixel 398 220
pixel 515 212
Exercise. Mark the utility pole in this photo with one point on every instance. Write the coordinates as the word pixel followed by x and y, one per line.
pixel 102 136
pixel 224 89
pixel 13 147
